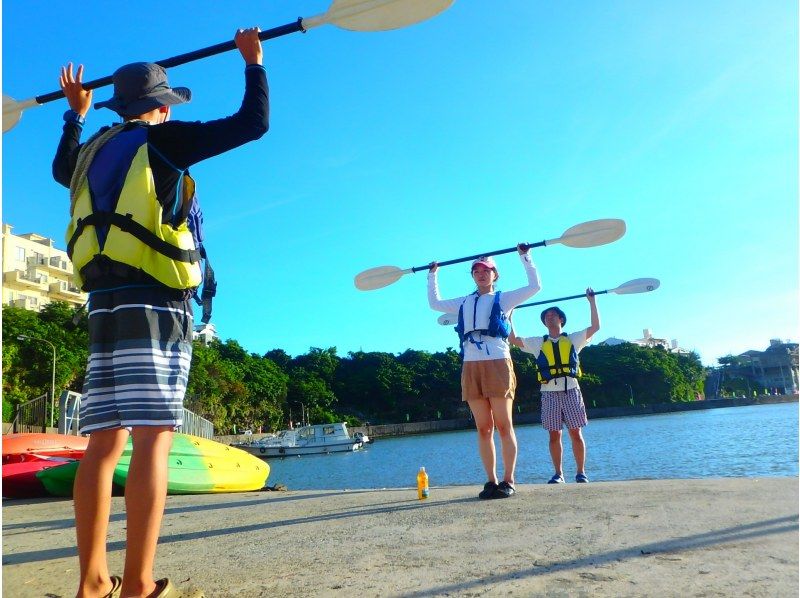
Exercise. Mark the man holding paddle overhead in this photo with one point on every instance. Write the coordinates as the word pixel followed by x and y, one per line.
pixel 487 374
pixel 134 245
pixel 559 368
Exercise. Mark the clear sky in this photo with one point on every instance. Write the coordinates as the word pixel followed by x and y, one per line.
pixel 490 124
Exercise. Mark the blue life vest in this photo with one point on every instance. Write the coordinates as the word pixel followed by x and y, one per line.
pixel 499 326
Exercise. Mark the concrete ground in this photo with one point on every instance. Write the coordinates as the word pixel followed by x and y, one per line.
pixel 711 537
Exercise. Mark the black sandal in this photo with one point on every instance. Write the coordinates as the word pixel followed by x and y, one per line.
pixel 489 490
pixel 505 490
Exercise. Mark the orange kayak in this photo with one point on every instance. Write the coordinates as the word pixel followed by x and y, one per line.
pixel 26 447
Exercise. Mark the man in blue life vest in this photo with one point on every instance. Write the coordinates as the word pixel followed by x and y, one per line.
pixel 135 248
pixel 559 368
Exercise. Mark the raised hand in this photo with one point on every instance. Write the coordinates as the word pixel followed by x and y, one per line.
pixel 80 99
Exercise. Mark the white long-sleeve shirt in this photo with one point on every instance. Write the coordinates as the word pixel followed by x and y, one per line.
pixel 478 308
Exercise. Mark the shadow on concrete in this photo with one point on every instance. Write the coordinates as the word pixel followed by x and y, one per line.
pixel 732 534
pixel 246 500
pixel 377 509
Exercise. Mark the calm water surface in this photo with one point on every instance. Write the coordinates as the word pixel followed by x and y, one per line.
pixel 760 440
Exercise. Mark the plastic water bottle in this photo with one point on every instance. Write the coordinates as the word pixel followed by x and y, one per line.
pixel 422 484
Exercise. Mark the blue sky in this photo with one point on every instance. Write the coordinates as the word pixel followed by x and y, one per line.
pixel 490 124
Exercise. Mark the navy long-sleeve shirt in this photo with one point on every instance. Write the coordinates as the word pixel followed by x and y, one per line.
pixel 179 144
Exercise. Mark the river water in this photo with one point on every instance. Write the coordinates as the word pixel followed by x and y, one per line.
pixel 754 441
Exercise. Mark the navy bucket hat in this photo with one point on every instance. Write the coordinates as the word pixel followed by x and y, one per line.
pixel 140 87
pixel 560 313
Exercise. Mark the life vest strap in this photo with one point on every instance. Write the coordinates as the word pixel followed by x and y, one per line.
pixel 127 224
pixel 209 288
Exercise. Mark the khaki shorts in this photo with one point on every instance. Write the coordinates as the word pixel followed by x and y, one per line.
pixel 493 378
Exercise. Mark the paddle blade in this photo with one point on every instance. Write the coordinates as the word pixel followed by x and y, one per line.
pixel 377 278
pixel 378 15
pixel 12 111
pixel 448 319
pixel 592 234
pixel 639 285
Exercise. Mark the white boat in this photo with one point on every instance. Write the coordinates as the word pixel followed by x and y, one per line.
pixel 363 438
pixel 306 440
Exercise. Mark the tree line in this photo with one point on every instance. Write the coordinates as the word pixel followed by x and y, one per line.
pixel 236 389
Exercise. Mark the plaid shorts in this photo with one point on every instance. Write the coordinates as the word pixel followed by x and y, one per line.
pixel 140 350
pixel 563 407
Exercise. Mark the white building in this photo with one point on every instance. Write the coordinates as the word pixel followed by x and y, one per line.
pixel 648 340
pixel 205 333
pixel 35 272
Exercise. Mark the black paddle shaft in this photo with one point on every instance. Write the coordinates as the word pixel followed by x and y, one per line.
pixel 525 246
pixel 184 58
pixel 559 299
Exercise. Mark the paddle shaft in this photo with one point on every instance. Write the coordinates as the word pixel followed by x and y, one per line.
pixel 184 58
pixel 525 246
pixel 559 299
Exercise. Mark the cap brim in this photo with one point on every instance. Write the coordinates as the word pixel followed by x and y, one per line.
pixel 175 95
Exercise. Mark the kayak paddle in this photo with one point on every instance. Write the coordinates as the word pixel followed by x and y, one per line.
pixel 353 15
pixel 638 285
pixel 588 234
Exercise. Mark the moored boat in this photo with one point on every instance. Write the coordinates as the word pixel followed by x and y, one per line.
pixel 306 440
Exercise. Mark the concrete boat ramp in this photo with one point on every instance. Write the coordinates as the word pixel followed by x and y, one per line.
pixel 710 537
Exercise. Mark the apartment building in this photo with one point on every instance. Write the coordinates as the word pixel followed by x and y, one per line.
pixel 775 369
pixel 35 272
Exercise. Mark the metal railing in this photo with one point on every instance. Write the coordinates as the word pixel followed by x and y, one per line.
pixel 196 425
pixel 31 416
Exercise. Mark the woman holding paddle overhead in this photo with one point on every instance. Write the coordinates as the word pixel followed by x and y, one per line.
pixel 487 374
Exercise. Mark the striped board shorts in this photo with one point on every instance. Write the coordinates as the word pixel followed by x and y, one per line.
pixel 140 350
pixel 563 408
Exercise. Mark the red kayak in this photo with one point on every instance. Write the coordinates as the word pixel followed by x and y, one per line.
pixel 28 447
pixel 20 481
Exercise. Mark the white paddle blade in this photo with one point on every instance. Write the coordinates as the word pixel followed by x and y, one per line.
pixel 639 285
pixel 377 278
pixel 592 234
pixel 448 319
pixel 12 111
pixel 377 15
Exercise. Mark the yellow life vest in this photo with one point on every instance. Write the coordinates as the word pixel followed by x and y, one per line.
pixel 557 360
pixel 137 235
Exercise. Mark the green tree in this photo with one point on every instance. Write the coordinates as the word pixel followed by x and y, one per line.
pixel 28 365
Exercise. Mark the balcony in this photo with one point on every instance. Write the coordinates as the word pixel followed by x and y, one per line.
pixel 29 303
pixel 65 291
pixel 60 265
pixel 36 260
pixel 18 277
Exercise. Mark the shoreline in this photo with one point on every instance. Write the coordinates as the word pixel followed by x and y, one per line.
pixel 521 419
pixel 633 538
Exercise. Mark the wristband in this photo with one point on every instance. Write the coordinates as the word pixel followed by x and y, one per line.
pixel 70 116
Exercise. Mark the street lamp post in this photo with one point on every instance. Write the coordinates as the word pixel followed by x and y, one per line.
pixel 25 337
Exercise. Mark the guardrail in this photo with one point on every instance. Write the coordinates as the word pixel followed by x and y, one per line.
pixel 31 416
